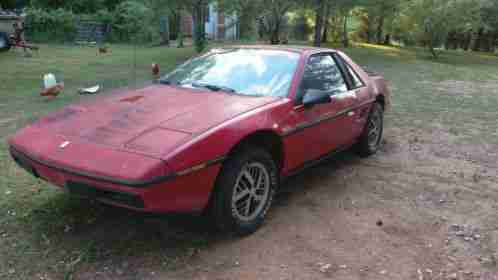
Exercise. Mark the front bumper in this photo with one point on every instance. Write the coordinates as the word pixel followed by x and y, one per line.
pixel 176 192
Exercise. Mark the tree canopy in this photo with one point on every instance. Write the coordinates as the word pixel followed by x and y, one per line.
pixel 434 24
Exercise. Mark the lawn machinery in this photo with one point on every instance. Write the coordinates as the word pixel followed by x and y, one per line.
pixel 12 32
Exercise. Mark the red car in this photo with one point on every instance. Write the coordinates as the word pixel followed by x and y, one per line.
pixel 218 133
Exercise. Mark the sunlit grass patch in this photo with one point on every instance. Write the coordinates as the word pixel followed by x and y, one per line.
pixel 380 47
pixel 44 230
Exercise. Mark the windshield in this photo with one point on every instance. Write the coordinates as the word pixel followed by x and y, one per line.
pixel 253 72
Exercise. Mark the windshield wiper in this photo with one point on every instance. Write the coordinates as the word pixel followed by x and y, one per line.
pixel 167 82
pixel 213 87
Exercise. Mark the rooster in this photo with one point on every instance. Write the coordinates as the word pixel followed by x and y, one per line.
pixel 155 71
pixel 103 49
pixel 53 91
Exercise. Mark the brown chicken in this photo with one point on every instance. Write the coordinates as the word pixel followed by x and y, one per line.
pixel 103 49
pixel 53 91
pixel 155 71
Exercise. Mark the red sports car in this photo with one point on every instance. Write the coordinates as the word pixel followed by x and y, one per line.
pixel 218 133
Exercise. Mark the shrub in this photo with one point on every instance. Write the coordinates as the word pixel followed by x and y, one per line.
pixel 300 27
pixel 132 21
pixel 50 25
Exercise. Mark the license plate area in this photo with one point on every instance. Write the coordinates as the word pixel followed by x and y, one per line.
pixel 91 192
pixel 25 165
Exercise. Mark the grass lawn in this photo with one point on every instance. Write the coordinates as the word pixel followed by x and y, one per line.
pixel 35 218
pixel 46 233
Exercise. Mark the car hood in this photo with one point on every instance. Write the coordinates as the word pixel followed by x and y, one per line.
pixel 154 119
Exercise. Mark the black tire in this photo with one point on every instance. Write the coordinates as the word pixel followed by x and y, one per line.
pixel 224 211
pixel 367 145
pixel 4 42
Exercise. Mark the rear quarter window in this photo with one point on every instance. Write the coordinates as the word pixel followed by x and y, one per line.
pixel 356 81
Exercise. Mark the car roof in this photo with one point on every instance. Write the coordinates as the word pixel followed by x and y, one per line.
pixel 291 48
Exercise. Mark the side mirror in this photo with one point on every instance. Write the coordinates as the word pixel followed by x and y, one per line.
pixel 314 97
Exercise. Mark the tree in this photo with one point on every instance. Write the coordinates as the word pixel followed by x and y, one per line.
pixel 326 22
pixel 345 8
pixel 246 10
pixel 174 10
pixel 272 20
pixel 198 10
pixel 377 17
pixel 160 12
pixel 432 20
pixel 8 4
pixel 77 6
pixel 319 16
pixel 486 29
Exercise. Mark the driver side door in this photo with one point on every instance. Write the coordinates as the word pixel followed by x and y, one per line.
pixel 322 128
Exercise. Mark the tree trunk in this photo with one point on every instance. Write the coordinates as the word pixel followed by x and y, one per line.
pixel 179 31
pixel 275 32
pixel 272 26
pixel 318 23
pixel 244 26
pixel 345 37
pixel 326 23
pixel 198 18
pixel 433 51
pixel 485 40
pixel 380 29
pixel 325 37
pixel 451 41
pixel 164 31
pixel 494 41
pixel 387 40
pixel 478 40
pixel 467 41
pixel 431 48
pixel 370 30
pixel 275 38
pixel 174 24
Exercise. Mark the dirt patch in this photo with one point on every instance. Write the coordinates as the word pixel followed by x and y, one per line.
pixel 6 121
pixel 463 88
pixel 397 215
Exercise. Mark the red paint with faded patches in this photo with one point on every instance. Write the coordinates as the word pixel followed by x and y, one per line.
pixel 164 146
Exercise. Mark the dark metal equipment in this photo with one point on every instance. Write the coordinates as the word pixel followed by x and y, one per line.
pixel 12 32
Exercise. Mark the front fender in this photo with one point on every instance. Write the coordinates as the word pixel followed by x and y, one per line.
pixel 216 143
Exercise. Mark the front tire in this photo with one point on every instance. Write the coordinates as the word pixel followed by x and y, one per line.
pixel 4 42
pixel 371 137
pixel 244 191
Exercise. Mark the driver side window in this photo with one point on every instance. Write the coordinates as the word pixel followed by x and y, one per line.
pixel 322 73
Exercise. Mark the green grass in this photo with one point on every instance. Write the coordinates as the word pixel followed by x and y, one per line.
pixel 43 231
pixel 422 95
pixel 34 215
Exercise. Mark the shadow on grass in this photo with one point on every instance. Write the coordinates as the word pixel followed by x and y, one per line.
pixel 448 57
pixel 78 229
pixel 309 180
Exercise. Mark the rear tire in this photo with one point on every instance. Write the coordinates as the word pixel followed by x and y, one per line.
pixel 244 191
pixel 4 42
pixel 371 137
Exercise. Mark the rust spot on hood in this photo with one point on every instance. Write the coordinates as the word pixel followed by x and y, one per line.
pixel 132 98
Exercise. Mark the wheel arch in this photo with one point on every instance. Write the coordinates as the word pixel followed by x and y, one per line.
pixel 381 100
pixel 266 139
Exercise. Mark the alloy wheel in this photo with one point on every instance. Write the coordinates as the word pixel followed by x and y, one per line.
pixel 251 192
pixel 374 129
